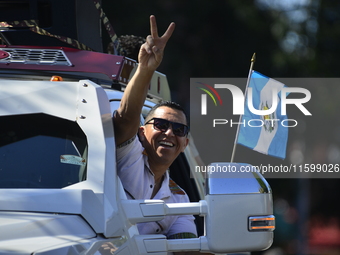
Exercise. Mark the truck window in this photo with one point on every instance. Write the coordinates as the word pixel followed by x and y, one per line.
pixel 41 151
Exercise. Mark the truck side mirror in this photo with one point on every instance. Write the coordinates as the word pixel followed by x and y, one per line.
pixel 240 209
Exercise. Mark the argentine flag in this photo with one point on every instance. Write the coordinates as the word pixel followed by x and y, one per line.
pixel 264 133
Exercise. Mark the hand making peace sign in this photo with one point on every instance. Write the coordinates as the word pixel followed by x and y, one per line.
pixel 151 52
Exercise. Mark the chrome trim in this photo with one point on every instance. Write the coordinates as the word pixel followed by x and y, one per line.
pixel 235 181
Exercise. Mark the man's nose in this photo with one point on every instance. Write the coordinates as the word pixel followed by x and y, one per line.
pixel 169 131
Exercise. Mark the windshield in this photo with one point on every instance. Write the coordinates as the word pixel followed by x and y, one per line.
pixel 41 151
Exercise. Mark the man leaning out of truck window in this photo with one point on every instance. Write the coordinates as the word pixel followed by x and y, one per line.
pixel 143 163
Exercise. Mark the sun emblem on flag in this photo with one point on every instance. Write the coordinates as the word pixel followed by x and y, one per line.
pixel 268 125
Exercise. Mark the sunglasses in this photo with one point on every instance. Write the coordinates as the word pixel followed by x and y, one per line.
pixel 163 125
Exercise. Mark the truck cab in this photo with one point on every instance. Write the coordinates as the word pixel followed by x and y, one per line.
pixel 59 189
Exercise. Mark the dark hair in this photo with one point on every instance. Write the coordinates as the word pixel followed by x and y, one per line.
pixel 169 104
pixel 129 46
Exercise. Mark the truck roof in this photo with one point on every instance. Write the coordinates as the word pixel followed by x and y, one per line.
pixel 110 71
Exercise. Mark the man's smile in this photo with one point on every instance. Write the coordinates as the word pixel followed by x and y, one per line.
pixel 167 144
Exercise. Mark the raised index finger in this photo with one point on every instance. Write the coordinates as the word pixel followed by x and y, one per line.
pixel 153 27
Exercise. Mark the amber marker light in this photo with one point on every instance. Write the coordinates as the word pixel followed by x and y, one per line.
pixel 262 223
pixel 56 78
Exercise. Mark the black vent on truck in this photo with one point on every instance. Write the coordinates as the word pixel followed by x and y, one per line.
pixel 36 56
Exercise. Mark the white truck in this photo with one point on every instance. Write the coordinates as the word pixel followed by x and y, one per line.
pixel 59 190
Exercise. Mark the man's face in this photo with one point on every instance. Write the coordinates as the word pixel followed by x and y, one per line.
pixel 163 147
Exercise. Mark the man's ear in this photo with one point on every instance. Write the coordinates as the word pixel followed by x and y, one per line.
pixel 185 144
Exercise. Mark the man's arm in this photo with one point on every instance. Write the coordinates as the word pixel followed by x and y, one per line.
pixel 127 117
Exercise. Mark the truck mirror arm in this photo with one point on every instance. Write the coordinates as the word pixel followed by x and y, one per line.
pixel 154 210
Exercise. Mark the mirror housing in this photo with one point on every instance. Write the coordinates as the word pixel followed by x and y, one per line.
pixel 240 209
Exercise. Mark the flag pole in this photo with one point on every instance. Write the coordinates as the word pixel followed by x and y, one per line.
pixel 252 61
